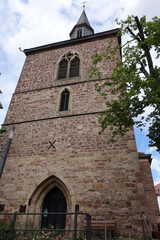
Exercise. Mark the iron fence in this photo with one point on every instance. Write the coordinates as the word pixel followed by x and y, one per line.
pixel 75 229
pixel 144 224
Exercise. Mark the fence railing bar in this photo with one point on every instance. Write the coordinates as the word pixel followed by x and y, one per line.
pixel 143 230
pixel 50 230
pixel 43 213
pixel 145 222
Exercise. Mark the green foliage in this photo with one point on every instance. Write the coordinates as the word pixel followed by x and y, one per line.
pixel 53 235
pixel 4 230
pixel 5 233
pixel 2 130
pixel 32 235
pixel 135 81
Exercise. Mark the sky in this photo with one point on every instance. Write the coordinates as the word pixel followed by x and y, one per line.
pixel 31 23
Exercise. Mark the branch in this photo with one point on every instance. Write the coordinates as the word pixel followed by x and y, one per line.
pixel 132 33
pixel 144 46
pixel 143 70
pixel 127 43
pixel 141 34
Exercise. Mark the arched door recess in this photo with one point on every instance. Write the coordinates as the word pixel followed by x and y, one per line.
pixel 43 190
pixel 54 202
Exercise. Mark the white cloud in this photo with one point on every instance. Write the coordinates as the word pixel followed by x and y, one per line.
pixel 151 149
pixel 156 164
pixel 158 199
pixel 157 181
pixel 27 25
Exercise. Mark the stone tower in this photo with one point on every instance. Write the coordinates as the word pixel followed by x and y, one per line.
pixel 57 160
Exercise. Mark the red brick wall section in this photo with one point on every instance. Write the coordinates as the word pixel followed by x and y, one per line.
pixel 157 187
pixel 151 199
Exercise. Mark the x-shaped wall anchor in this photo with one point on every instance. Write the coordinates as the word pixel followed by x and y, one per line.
pixel 51 144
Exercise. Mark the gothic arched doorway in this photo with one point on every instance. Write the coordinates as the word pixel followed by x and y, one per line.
pixel 54 202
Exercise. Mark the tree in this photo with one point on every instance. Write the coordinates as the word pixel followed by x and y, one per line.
pixel 135 80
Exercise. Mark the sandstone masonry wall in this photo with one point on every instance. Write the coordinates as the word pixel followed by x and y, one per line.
pixel 102 177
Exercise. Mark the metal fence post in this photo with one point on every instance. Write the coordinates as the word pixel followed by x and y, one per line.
pixel 105 227
pixel 13 225
pixel 75 226
pixel 88 234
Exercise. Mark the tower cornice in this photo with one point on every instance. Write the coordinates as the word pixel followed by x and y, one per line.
pixel 75 41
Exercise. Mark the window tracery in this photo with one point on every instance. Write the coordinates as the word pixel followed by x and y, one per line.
pixel 69 66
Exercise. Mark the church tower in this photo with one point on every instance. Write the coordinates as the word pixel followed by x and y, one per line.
pixel 57 161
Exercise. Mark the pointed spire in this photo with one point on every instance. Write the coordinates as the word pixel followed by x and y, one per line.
pixel 83 19
pixel 82 28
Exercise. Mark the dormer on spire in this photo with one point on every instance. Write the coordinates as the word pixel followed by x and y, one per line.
pixel 82 28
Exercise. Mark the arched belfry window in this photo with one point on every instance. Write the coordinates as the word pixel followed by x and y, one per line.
pixel 62 69
pixel 64 102
pixel 74 67
pixel 69 66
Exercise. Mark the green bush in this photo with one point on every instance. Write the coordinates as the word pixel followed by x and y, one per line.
pixel 36 235
pixel 52 235
pixel 4 230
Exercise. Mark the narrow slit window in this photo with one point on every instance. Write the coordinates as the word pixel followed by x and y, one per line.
pixel 64 100
pixel 63 65
pixel 74 67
